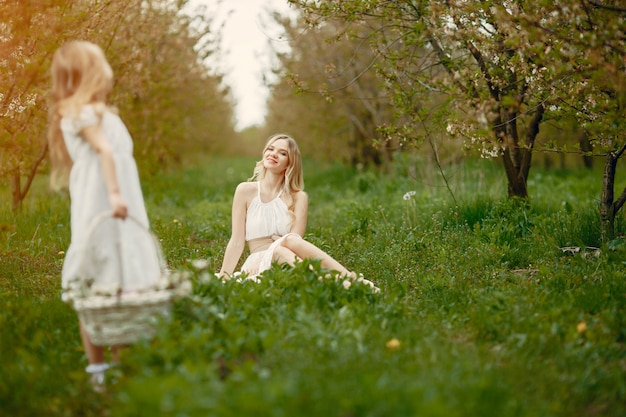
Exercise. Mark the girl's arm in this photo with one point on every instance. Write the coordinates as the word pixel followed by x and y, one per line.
pixel 95 136
pixel 237 241
pixel 301 211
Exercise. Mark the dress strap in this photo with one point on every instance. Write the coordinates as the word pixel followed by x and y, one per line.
pixel 258 192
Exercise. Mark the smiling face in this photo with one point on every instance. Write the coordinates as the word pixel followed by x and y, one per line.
pixel 276 156
pixel 281 156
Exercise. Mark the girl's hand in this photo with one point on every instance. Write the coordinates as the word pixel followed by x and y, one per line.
pixel 95 136
pixel 120 209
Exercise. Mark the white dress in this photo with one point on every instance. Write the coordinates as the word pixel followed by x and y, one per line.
pixel 120 254
pixel 265 220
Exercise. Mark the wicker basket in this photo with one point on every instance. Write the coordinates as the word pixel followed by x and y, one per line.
pixel 122 318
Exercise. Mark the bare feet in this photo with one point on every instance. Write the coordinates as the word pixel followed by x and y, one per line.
pixel 354 277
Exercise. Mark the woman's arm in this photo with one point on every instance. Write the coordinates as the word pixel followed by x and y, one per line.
pixel 237 241
pixel 301 211
pixel 95 136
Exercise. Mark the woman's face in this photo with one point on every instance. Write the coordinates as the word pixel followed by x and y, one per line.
pixel 276 156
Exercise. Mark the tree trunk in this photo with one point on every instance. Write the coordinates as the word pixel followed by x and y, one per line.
pixel 586 148
pixel 609 207
pixel 363 150
pixel 16 192
pixel 517 160
pixel 607 210
pixel 516 182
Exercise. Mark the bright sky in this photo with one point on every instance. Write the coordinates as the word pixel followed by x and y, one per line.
pixel 248 37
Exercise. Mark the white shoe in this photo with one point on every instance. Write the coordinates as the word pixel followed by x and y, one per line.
pixel 97 378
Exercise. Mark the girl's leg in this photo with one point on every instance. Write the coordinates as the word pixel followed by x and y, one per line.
pixel 95 354
pixel 115 354
pixel 303 249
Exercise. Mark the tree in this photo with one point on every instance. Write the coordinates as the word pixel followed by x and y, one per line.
pixel 26 53
pixel 584 47
pixel 505 66
pixel 163 88
pixel 171 102
pixel 466 51
pixel 349 104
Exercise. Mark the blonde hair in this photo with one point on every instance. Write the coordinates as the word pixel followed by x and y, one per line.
pixel 80 75
pixel 294 178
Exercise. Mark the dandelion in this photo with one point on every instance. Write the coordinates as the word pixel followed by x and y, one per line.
pixel 183 289
pixel 61 252
pixel 205 276
pixel 200 264
pixel 411 208
pixel 393 344
pixel 581 327
pixel 176 221
pixel 408 195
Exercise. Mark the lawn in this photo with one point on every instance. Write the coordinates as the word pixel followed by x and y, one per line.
pixel 481 312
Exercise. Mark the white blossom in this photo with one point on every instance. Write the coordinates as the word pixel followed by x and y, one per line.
pixel 200 264
pixel 408 195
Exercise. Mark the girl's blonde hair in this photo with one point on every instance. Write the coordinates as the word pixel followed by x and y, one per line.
pixel 294 178
pixel 80 75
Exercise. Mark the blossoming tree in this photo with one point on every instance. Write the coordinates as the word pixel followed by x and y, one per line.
pixel 167 90
pixel 505 67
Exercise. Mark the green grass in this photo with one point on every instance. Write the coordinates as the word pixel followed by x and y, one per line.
pixel 485 306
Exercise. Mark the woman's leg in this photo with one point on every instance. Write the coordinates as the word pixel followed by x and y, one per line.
pixel 284 255
pixel 294 248
pixel 303 249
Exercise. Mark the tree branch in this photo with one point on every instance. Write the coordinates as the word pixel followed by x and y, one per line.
pixel 607 7
pixel 33 172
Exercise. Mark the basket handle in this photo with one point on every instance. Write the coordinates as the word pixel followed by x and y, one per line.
pixel 91 230
pixel 105 215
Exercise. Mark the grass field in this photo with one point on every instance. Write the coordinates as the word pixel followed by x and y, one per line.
pixel 480 312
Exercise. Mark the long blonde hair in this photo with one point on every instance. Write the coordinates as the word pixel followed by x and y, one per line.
pixel 294 178
pixel 80 75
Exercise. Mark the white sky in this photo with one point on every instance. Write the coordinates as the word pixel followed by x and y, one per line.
pixel 248 36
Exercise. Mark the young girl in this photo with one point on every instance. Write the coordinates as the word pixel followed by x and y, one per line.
pixel 270 213
pixel 92 152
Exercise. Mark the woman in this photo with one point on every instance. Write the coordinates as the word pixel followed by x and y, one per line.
pixel 270 213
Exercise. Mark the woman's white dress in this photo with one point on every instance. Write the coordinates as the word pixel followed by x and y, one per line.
pixel 117 254
pixel 265 220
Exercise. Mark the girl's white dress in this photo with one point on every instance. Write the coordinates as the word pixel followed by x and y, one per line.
pixel 120 254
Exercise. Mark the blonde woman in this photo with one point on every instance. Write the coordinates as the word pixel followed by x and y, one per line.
pixel 91 151
pixel 269 212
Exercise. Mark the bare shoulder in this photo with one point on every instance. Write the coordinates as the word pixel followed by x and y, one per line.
pixel 301 197
pixel 246 190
